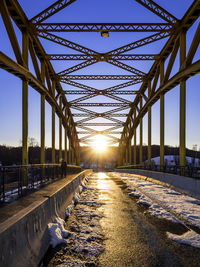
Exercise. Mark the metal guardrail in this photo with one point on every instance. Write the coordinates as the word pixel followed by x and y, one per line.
pixel 188 171
pixel 18 181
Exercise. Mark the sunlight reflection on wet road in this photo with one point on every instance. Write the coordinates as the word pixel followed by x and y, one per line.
pixel 109 229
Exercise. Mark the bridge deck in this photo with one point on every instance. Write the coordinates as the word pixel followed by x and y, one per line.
pixel 108 228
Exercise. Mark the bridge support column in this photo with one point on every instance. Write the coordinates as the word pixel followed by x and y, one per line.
pixel 42 129
pixel 135 142
pixel 130 152
pixel 78 161
pixel 53 155
pixel 65 156
pixel 149 128
pixel 162 120
pixel 60 133
pixel 72 158
pixel 119 155
pixel 141 136
pixel 25 45
pixel 122 152
pixel 70 149
pixel 126 151
pixel 182 149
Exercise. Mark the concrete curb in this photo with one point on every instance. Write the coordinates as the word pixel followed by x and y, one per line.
pixel 24 237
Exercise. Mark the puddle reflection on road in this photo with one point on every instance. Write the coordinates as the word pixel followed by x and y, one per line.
pixel 101 182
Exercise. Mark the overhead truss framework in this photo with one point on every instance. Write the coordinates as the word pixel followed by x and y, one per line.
pixel 100 27
pixel 129 100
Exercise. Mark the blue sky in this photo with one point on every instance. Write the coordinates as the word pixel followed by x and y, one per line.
pixel 98 11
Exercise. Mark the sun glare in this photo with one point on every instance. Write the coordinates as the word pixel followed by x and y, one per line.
pixel 99 143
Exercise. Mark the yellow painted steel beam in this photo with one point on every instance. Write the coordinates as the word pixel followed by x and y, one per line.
pixel 130 152
pixel 149 127
pixel 51 10
pixel 141 135
pixel 53 134
pixel 42 133
pixel 162 121
pixel 65 157
pixel 11 32
pixel 135 141
pixel 158 10
pixel 186 73
pixel 60 133
pixel 182 150
pixel 25 41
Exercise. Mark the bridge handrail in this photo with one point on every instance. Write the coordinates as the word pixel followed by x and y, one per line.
pixel 190 171
pixel 19 180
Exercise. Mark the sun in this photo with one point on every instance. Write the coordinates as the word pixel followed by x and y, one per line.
pixel 99 143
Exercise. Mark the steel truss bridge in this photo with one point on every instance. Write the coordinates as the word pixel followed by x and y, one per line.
pixel 153 85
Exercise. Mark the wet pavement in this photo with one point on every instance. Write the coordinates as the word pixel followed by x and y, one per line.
pixel 108 228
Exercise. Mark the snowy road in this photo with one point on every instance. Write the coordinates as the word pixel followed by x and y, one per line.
pixel 109 228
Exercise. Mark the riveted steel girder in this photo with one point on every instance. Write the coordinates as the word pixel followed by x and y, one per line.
pixel 99 124
pixel 51 10
pixel 127 92
pixel 139 43
pixel 67 43
pixel 100 105
pixel 101 77
pixel 158 10
pixel 101 58
pixel 99 115
pixel 77 67
pixel 79 85
pixel 99 27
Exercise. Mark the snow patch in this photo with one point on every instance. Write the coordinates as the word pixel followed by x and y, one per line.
pixel 57 232
pixel 76 198
pixel 143 200
pixel 190 238
pixel 69 210
pixel 156 211
pixel 134 194
pixel 170 200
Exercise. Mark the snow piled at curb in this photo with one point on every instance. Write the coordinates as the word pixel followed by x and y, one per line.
pixel 186 207
pixel 190 238
pixel 57 230
pixel 183 205
pixel 154 209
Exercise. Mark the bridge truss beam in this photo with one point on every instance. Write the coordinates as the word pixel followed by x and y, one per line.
pixel 99 27
pixel 154 84
pixel 153 91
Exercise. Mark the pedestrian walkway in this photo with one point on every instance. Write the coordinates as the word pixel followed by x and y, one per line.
pixel 109 228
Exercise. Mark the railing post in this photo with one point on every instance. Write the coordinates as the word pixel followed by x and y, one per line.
pixel 3 184
pixel 21 172
pixel 182 150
